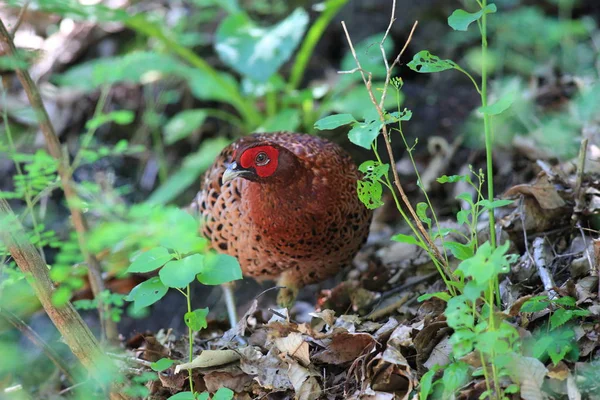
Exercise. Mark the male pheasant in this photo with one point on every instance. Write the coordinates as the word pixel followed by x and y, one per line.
pixel 285 204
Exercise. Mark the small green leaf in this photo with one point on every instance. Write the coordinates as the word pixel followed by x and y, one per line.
pixel 396 116
pixel 62 295
pixel 120 117
pixel 334 121
pixel 455 375
pixel 422 213
pixel 161 365
pixel 426 383
pixel 459 250
pixel 425 62
pixel 560 317
pixel 566 301
pixel 460 19
pixel 147 293
pixel 364 133
pixel 219 269
pixel 408 239
pixel 180 273
pixel 150 260
pixel 440 295
pixel 490 205
pixel 500 106
pixel 223 394
pixel 183 396
pixel 535 304
pixel 370 193
pixel 183 125
pixel 196 320
pixel 453 178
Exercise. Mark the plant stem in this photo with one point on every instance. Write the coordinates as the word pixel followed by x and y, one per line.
pixel 188 297
pixel 487 124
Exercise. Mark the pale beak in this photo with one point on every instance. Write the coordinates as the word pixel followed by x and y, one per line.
pixel 233 172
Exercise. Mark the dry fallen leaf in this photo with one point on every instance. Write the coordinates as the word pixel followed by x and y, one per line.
pixel 294 346
pixel 345 347
pixel 210 358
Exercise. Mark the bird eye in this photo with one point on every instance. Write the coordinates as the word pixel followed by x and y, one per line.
pixel 261 159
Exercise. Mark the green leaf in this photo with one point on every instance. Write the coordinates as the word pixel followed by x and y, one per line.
pixel 183 124
pixel 426 384
pixel 180 273
pixel 455 375
pixel 150 260
pixel 334 121
pixel 500 106
pixel 453 178
pixel 363 133
pixel 161 365
pixel 425 62
pixel 223 394
pixel 459 250
pixel 370 193
pixel 196 320
pixel 490 205
pixel 566 301
pixel 147 293
pixel 440 295
pixel 219 269
pixel 460 19
pixel 408 239
pixel 422 213
pixel 560 317
pixel 257 52
pixel 535 304
pixel 120 117
pixel 397 116
pixel 183 396
pixel 61 296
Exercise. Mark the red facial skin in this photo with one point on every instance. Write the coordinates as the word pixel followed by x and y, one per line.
pixel 251 158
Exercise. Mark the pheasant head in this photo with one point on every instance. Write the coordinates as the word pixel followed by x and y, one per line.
pixel 263 162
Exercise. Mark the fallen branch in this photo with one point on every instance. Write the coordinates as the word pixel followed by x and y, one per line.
pixel 76 334
pixel 53 144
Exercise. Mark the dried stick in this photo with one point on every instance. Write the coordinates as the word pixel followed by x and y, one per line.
pixel 379 108
pixel 94 270
pixel 75 332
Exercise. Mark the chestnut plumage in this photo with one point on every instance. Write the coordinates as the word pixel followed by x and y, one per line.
pixel 285 205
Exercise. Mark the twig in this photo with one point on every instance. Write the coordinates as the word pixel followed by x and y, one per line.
pixel 38 341
pixel 76 334
pixel 539 260
pixel 94 270
pixel 20 17
pixel 580 170
pixel 385 132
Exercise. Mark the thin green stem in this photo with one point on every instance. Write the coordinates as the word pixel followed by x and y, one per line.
pixel 444 274
pixel 487 124
pixel 412 160
pixel 188 297
pixel 471 78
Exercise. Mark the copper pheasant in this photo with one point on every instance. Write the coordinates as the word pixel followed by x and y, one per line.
pixel 285 204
